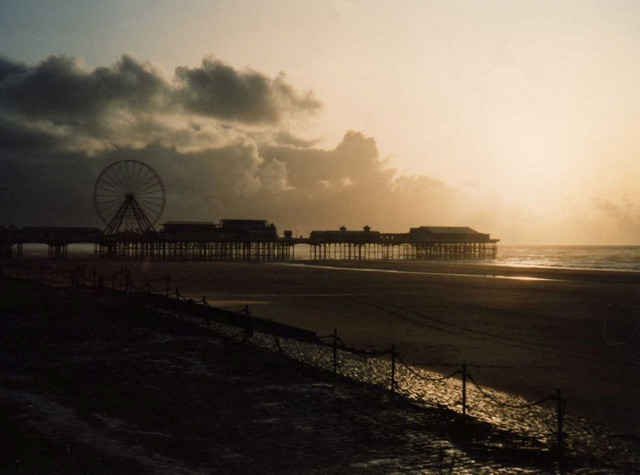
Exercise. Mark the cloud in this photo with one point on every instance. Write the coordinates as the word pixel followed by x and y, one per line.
pixel 58 90
pixel 214 135
pixel 107 102
pixel 10 68
pixel 284 137
pixel 218 138
pixel 217 90
pixel 236 180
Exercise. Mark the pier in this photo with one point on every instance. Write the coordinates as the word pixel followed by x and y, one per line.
pixel 425 242
pixel 254 240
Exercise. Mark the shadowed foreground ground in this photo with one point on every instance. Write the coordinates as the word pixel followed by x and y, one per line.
pixel 94 385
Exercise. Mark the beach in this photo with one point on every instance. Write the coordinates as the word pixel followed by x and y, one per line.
pixel 99 382
pixel 523 331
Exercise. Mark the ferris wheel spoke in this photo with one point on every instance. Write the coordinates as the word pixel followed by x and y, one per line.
pixel 124 173
pixel 140 172
pixel 109 181
pixel 133 176
pixel 116 174
pixel 129 196
pixel 145 177
pixel 148 199
pixel 154 207
pixel 149 188
pixel 109 204
pixel 151 199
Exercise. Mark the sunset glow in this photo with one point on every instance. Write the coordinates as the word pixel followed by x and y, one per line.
pixel 526 110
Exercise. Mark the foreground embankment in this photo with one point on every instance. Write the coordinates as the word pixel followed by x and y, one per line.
pixel 98 382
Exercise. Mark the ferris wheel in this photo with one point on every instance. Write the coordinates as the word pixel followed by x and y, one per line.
pixel 129 197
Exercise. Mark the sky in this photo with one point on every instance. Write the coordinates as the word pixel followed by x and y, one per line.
pixel 516 117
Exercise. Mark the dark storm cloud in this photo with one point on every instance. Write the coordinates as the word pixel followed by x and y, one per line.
pixel 216 89
pixel 8 67
pixel 58 90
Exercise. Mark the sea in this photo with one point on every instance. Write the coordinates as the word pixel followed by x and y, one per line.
pixel 619 258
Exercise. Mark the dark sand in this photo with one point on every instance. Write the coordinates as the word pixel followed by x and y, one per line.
pixel 97 383
pixel 577 331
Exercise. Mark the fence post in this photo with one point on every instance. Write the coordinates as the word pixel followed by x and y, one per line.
pixel 464 389
pixel 167 286
pixel 393 367
pixel 560 413
pixel 335 351
pixel 205 314
pixel 277 342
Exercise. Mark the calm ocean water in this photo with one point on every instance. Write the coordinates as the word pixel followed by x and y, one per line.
pixel 625 258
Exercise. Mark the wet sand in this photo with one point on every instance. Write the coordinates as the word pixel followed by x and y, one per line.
pixel 573 330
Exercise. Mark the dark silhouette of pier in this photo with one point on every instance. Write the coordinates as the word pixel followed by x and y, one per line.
pixel 254 240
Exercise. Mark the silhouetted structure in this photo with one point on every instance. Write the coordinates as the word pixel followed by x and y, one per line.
pixel 231 239
pixel 57 238
pixel 425 242
pixel 241 239
pixel 129 197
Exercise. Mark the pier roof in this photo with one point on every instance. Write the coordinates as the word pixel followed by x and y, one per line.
pixel 447 229
pixel 447 234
